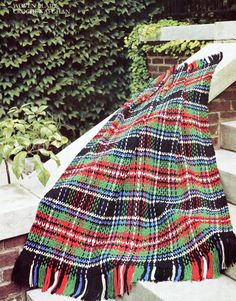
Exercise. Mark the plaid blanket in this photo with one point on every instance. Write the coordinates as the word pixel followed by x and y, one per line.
pixel 142 200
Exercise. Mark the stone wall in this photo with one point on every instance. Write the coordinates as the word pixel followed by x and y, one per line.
pixel 9 250
pixel 222 108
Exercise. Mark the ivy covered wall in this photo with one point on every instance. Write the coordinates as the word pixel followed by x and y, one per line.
pixel 139 47
pixel 69 53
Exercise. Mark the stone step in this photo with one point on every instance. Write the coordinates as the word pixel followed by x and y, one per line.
pixel 221 289
pixel 226 163
pixel 37 295
pixel 228 135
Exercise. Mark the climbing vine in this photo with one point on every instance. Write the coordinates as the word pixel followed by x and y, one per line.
pixel 138 45
pixel 69 54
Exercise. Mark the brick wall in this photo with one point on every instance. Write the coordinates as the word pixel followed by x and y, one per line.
pixel 158 64
pixel 222 108
pixel 9 250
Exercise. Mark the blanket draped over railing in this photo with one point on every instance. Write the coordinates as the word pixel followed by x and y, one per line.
pixel 142 200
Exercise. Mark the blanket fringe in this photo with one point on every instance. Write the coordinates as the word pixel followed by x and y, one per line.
pixel 205 262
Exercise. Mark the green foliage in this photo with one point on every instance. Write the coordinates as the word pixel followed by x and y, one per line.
pixel 70 55
pixel 176 47
pixel 138 72
pixel 152 31
pixel 138 46
pixel 29 131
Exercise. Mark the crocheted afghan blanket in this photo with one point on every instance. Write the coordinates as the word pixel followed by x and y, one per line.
pixel 143 200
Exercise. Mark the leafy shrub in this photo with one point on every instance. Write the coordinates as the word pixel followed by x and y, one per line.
pixel 29 132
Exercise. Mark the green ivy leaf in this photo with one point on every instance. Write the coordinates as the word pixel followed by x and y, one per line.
pixel 55 158
pixel 42 108
pixel 7 132
pixel 64 140
pixel 57 136
pixel 56 143
pixel 52 127
pixel 20 127
pixel 23 140
pixel 6 151
pixel 39 141
pixel 18 163
pixel 45 132
pixel 44 152
pixel 16 150
pixel 42 173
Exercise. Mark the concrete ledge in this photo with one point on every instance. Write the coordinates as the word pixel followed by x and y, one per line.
pixel 203 32
pixel 218 31
pixel 37 295
pixel 221 289
pixel 225 30
pixel 18 208
pixel 138 293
